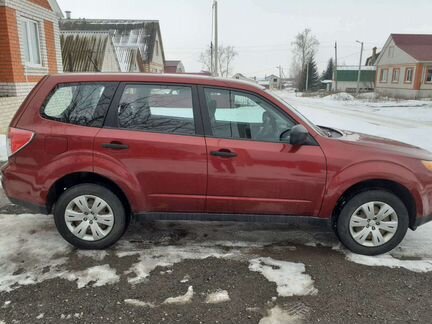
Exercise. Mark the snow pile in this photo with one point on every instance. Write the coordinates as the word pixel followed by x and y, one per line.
pixel 219 296
pixel 289 277
pixel 181 300
pixel 167 256
pixel 98 275
pixel 340 96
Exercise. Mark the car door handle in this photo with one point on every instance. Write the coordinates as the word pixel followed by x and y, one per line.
pixel 224 153
pixel 115 146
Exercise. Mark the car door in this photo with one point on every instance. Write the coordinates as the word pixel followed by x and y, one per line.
pixel 152 144
pixel 250 170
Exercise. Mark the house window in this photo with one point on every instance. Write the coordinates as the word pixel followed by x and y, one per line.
pixel 428 78
pixel 157 48
pixel 409 75
pixel 31 41
pixel 395 75
pixel 383 75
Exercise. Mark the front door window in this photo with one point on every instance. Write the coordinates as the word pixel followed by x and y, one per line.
pixel 239 115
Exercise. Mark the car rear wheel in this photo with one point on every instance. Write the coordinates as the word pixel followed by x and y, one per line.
pixel 372 222
pixel 90 216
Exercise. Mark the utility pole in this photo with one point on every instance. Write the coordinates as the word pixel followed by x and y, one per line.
pixel 335 69
pixel 360 64
pixel 280 76
pixel 211 58
pixel 216 45
pixel 307 77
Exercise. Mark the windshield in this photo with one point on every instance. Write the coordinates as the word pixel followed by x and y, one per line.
pixel 298 113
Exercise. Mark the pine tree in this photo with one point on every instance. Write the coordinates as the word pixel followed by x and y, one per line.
pixel 328 73
pixel 314 81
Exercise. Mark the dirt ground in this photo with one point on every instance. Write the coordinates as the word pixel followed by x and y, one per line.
pixel 346 292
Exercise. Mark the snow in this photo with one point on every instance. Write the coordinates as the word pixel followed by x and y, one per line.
pixel 342 96
pixel 414 253
pixel 3 151
pixel 139 303
pixel 219 296
pixel 277 315
pixel 167 256
pixel 289 277
pixel 408 121
pixel 36 252
pixel 98 275
pixel 183 299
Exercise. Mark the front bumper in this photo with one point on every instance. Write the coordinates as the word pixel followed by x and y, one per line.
pixel 421 221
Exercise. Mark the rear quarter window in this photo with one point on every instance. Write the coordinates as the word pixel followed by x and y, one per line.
pixel 84 104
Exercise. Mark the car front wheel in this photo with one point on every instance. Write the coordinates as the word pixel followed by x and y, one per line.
pixel 372 222
pixel 90 216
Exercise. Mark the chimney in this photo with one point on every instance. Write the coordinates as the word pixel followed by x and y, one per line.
pixel 68 14
pixel 374 51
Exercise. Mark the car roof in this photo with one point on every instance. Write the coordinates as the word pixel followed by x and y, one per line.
pixel 156 78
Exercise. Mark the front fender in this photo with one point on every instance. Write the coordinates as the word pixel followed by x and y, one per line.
pixel 340 181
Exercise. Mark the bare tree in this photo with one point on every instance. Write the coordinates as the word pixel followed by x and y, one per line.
pixel 305 46
pixel 226 56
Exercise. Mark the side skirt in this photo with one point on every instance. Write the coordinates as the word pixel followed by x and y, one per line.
pixel 247 218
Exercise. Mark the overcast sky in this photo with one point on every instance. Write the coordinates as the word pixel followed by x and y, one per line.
pixel 262 30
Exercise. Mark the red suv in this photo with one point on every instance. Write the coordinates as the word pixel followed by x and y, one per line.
pixel 95 149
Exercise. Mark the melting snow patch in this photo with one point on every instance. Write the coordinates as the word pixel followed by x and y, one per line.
pixel 100 275
pixel 219 296
pixel 167 256
pixel 183 299
pixel 185 279
pixel 387 260
pixel 95 255
pixel 413 253
pixel 139 303
pixel 288 276
pixel 34 250
pixel 278 315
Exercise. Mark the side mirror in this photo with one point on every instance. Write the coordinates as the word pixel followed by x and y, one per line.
pixel 298 135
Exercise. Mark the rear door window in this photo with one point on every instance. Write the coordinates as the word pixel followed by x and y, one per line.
pixel 157 108
pixel 84 104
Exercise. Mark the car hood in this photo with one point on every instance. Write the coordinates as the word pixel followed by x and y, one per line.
pixel 385 145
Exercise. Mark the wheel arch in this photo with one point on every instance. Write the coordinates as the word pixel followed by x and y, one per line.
pixel 378 184
pixel 72 179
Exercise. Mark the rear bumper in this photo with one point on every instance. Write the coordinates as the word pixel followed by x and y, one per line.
pixel 20 192
pixel 30 206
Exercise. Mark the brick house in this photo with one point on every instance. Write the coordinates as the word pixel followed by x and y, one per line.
pixel 29 49
pixel 404 67
pixel 137 45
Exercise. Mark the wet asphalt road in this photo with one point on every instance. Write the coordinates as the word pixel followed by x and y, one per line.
pixel 347 292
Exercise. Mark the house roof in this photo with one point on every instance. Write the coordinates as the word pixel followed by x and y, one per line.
pixel 84 52
pixel 419 46
pixel 151 30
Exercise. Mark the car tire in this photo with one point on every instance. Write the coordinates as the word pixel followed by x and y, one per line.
pixel 361 227
pixel 90 217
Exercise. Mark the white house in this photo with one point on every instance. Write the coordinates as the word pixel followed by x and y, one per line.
pixel 404 67
pixel 87 45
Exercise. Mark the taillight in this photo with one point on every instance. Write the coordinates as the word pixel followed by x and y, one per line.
pixel 18 139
